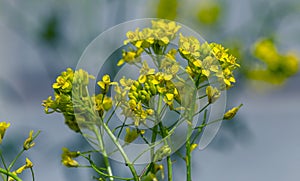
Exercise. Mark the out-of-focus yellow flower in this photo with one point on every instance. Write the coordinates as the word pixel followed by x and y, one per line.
pixel 82 78
pixel 3 127
pixel 67 158
pixel 277 66
pixel 209 13
pixel 167 9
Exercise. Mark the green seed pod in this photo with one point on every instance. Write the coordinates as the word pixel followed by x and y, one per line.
pixel 136 84
pixel 133 88
pixel 135 94
pixel 153 89
pixel 144 92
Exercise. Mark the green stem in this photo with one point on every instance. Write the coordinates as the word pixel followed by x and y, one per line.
pixel 16 158
pixel 188 153
pixel 105 157
pixel 3 171
pixel 188 161
pixel 119 146
pixel 163 132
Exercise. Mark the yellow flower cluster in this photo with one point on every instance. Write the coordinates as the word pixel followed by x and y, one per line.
pixel 205 60
pixel 278 67
pixel 159 35
pixel 77 81
pixel 149 84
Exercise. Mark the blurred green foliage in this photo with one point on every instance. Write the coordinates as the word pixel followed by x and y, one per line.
pixel 167 9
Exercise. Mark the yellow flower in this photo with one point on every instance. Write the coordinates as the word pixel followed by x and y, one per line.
pixel 67 158
pixel 168 28
pixel 144 71
pixel 189 47
pixel 105 83
pixel 102 103
pixel 131 135
pixel 212 94
pixel 131 57
pixel 232 112
pixel 49 104
pixel 277 67
pixel 28 164
pixel 28 143
pixel 266 50
pixel 62 83
pixel 169 99
pixel 3 127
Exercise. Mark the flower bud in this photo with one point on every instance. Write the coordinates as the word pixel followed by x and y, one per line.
pixel 130 135
pixel 232 112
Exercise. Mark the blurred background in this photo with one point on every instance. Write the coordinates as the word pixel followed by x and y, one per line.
pixel 39 39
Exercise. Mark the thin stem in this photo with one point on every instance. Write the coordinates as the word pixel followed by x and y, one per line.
pixel 32 174
pixel 122 127
pixel 16 158
pixel 94 167
pixel 105 157
pixel 202 109
pixel 188 160
pixel 200 128
pixel 116 142
pixel 163 132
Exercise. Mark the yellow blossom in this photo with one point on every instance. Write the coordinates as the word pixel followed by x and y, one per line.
pixel 28 164
pixel 189 47
pixel 3 127
pixel 131 135
pixel 105 83
pixel 212 94
pixel 62 83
